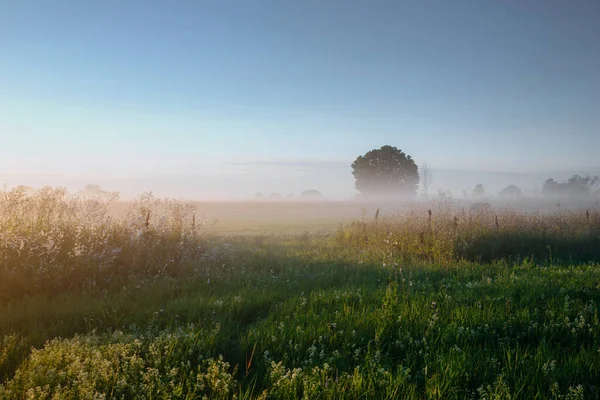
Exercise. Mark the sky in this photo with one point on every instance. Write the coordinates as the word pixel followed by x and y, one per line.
pixel 222 99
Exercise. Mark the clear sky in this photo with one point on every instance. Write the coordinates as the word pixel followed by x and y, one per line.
pixel 233 97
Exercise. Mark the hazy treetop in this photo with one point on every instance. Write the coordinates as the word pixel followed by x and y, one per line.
pixel 385 172
pixel 311 194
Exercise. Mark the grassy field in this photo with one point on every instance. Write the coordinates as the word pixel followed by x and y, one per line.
pixel 277 217
pixel 432 302
pixel 264 218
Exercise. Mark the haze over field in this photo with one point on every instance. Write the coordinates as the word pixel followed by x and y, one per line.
pixel 334 180
pixel 220 100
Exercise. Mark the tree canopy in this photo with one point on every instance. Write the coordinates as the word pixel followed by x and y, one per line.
pixel 510 191
pixel 575 186
pixel 479 190
pixel 387 171
pixel 311 194
pixel 92 191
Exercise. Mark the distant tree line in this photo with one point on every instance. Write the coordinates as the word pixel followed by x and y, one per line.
pixel 574 186
pixel 306 195
pixel 388 172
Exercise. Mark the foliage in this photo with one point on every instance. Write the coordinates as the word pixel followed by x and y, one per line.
pixel 123 366
pixel 511 191
pixel 575 186
pixel 92 191
pixel 479 190
pixel 386 172
pixel 311 194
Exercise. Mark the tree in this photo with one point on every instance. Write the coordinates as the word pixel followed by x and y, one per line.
pixel 311 194
pixel 426 178
pixel 387 171
pixel 510 191
pixel 479 190
pixel 582 185
pixel 551 187
pixel 575 186
pixel 91 191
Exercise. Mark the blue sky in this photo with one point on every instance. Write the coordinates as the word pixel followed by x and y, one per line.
pixel 235 97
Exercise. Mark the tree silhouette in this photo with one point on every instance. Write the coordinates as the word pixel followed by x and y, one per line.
pixel 576 185
pixel 311 194
pixel 92 191
pixel 510 191
pixel 426 178
pixel 387 171
pixel 479 190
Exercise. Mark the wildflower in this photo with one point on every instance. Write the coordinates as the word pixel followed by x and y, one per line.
pixel 549 367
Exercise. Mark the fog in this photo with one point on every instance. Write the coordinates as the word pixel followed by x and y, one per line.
pixel 243 181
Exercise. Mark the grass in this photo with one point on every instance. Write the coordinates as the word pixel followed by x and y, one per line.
pixel 258 218
pixel 374 310
pixel 445 233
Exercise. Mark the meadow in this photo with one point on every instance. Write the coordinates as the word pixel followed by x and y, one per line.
pixel 158 300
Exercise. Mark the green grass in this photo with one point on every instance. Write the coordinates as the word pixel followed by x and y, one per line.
pixel 348 315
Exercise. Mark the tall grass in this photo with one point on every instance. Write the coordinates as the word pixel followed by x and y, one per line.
pixel 51 242
pixel 444 233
